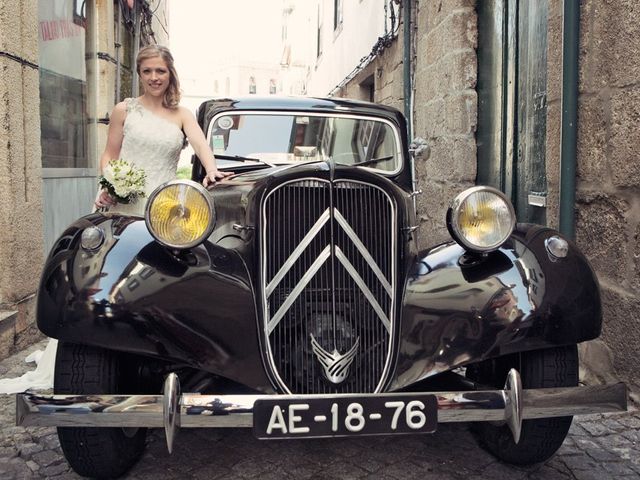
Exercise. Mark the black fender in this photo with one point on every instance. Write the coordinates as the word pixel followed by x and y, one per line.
pixel 195 307
pixel 460 308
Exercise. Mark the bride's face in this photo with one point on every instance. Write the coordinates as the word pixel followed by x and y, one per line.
pixel 154 76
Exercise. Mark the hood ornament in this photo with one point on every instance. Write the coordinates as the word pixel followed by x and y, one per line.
pixel 335 365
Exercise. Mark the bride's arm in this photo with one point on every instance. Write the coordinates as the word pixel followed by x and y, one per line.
pixel 115 135
pixel 112 149
pixel 199 143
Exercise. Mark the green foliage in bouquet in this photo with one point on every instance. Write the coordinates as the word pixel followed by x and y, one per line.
pixel 123 180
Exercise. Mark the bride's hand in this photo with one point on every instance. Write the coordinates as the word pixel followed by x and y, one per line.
pixel 214 176
pixel 105 200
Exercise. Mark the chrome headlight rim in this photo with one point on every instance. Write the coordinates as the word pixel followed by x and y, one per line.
pixel 205 194
pixel 453 215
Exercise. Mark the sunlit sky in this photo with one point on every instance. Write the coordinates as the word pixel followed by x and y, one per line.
pixel 204 33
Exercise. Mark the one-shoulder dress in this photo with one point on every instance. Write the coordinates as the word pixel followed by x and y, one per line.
pixel 152 143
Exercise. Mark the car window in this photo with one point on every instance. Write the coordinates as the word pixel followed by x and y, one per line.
pixel 286 138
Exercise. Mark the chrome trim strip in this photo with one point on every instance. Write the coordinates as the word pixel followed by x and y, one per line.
pixel 222 411
pixel 363 287
pixel 363 250
pixel 295 293
pixel 308 238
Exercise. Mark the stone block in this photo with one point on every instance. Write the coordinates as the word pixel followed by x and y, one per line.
pixel 10 27
pixel 30 31
pixel 455 71
pixel 625 137
pixel 592 141
pixel 432 14
pixel 104 12
pixel 601 233
pixel 461 113
pixel 457 31
pixel 430 119
pixel 586 49
pixel 615 46
pixel 621 330
pixel 452 159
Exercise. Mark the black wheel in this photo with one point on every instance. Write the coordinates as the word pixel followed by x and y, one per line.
pixel 96 452
pixel 540 438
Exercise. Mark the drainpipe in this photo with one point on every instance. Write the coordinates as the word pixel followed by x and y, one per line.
pixel 406 64
pixel 569 128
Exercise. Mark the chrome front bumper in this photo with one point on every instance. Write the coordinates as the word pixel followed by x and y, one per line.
pixel 172 410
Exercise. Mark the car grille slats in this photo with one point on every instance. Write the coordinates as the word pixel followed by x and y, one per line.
pixel 328 262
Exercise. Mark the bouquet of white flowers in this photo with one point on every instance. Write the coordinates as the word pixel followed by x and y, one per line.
pixel 123 180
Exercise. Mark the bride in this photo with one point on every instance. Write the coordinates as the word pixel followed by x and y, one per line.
pixel 150 130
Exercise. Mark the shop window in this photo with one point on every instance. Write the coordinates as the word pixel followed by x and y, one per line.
pixel 64 120
pixel 252 85
pixel 272 86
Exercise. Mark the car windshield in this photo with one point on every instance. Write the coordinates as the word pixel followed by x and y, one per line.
pixel 279 139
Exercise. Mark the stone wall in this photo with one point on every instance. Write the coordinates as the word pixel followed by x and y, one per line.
pixel 608 179
pixel 21 253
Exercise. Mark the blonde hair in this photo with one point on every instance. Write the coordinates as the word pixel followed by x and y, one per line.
pixel 172 94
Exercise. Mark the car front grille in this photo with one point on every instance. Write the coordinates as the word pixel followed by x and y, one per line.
pixel 328 270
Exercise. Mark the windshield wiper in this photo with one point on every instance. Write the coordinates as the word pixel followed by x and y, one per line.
pixel 368 162
pixel 237 158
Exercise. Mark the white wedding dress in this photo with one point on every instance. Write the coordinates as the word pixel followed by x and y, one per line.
pixel 152 143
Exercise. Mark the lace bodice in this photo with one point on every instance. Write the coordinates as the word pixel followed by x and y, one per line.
pixel 153 143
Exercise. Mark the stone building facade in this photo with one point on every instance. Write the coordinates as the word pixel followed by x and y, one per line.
pixel 445 111
pixel 63 65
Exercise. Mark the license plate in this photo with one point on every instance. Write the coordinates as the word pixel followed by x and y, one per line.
pixel 344 416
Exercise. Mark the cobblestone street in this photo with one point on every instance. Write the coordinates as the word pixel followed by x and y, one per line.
pixel 598 447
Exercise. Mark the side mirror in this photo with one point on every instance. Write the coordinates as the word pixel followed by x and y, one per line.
pixel 419 148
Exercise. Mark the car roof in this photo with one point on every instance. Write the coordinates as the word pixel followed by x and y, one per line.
pixel 304 104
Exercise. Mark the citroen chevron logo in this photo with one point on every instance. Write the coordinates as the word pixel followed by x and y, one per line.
pixel 335 365
pixel 324 256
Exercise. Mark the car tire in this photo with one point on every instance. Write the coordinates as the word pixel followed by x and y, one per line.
pixel 95 452
pixel 540 438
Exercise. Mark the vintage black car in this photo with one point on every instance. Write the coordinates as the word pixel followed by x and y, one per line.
pixel 294 299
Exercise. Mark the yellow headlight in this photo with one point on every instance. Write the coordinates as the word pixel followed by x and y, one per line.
pixel 481 219
pixel 180 214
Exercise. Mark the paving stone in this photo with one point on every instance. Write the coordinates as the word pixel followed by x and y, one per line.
pixel 617 468
pixel 29 449
pixel 54 470
pixel 596 428
pixel 46 458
